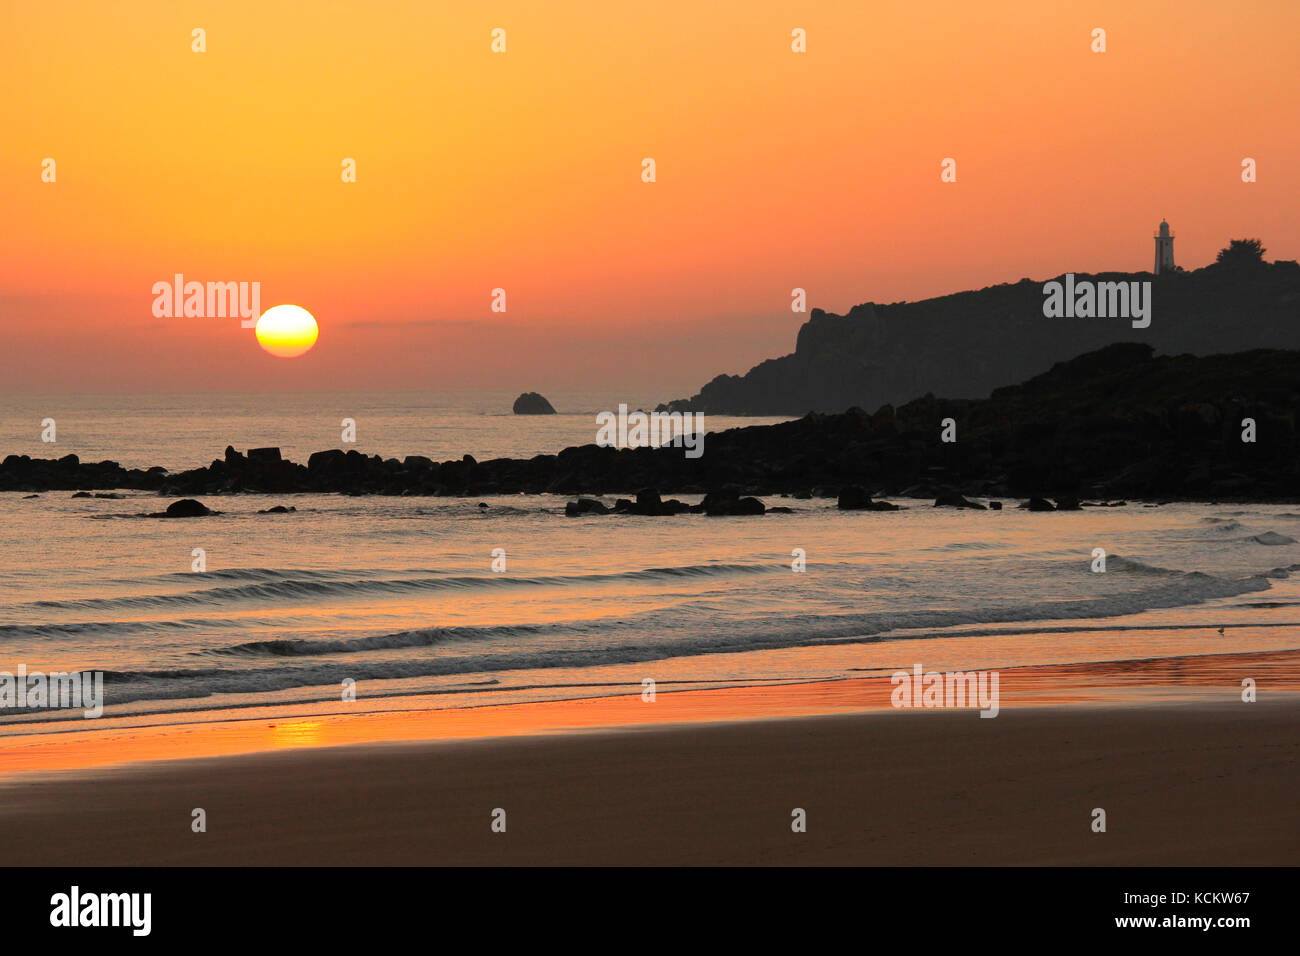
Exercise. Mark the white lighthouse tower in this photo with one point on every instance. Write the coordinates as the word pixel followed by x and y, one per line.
pixel 1164 248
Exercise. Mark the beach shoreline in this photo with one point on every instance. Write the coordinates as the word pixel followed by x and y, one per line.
pixel 697 777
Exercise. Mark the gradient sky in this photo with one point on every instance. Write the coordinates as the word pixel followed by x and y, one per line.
pixel 522 170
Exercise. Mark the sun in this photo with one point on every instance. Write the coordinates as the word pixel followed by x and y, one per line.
pixel 286 331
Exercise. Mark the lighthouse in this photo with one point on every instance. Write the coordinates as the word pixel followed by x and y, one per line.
pixel 1164 248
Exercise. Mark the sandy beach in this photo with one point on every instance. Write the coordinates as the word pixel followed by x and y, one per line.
pixel 1206 781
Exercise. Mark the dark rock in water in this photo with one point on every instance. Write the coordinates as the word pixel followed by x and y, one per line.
pixel 995 506
pixel 530 403
pixel 1038 504
pixel 854 498
pixel 186 508
pixel 482 504
pixel 263 456
pixel 108 494
pixel 69 461
pixel 725 503
pixel 278 510
pixel 585 506
pixel 31 496
pixel 327 462
pixel 781 510
pixel 83 494
pixel 233 458
pixel 951 499
pixel 649 502
pixel 418 463
pixel 1067 504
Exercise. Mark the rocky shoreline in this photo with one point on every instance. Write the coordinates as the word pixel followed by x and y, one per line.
pixel 1118 423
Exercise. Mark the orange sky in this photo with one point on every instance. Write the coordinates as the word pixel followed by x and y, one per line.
pixel 522 170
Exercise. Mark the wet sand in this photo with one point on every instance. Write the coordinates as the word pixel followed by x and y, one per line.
pixel 1207 781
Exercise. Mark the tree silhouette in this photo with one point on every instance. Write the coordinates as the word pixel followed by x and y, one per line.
pixel 1241 253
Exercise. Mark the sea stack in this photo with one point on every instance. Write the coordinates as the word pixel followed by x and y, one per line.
pixel 530 403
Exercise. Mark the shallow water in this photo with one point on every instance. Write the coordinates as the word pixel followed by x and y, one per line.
pixel 399 595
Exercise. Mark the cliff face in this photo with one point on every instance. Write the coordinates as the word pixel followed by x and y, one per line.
pixel 967 344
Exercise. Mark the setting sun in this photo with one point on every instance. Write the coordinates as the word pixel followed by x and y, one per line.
pixel 286 331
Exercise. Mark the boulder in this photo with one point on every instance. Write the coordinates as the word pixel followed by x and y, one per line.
pixel 530 403
pixel 724 503
pixel 327 462
pixel 854 498
pixel 186 508
pixel 585 506
pixel 950 499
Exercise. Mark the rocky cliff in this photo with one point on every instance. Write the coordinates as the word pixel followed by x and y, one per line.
pixel 967 344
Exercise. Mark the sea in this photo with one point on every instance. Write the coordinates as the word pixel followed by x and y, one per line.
pixel 378 603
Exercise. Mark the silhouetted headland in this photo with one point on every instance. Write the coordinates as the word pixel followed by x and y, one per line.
pixel 967 344
pixel 1116 423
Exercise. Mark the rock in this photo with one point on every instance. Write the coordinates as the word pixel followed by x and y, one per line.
pixel 648 499
pixel 327 462
pixel 186 508
pixel 108 494
pixel 530 403
pixel 264 456
pixel 854 498
pixel 83 494
pixel 1038 504
pixel 726 503
pixel 31 496
pixel 950 499
pixel 278 510
pixel 995 506
pixel 585 506
pixel 1067 503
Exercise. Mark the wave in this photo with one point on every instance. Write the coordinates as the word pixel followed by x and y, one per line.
pixel 273 588
pixel 1117 562
pixel 1271 538
pixel 419 637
